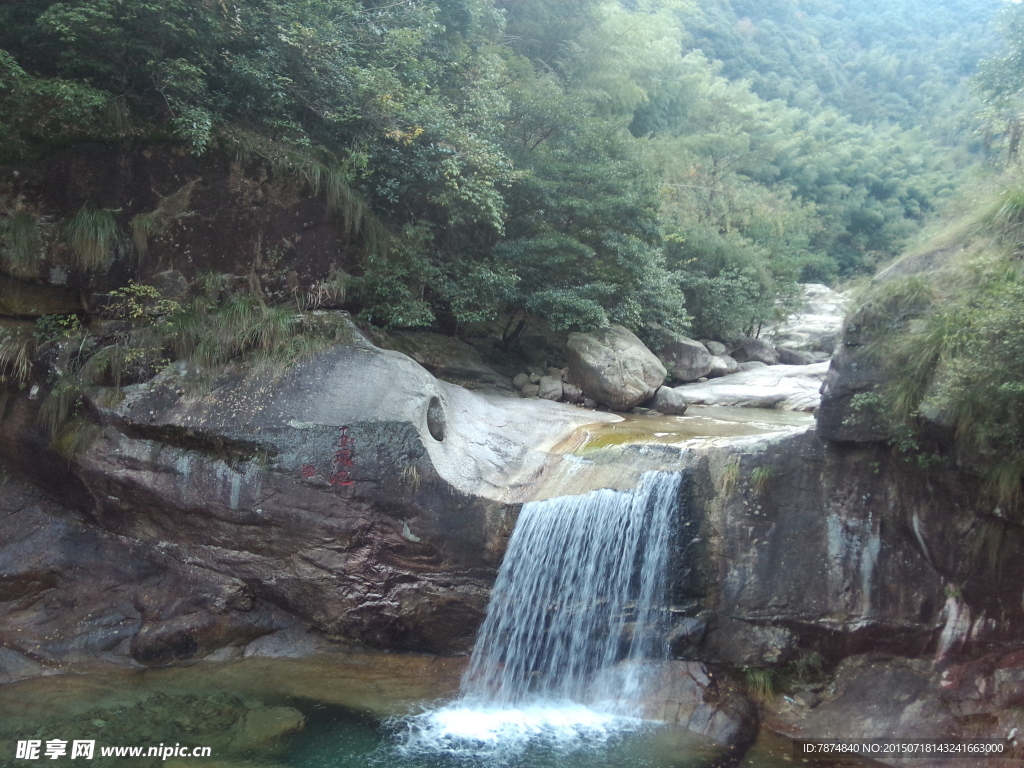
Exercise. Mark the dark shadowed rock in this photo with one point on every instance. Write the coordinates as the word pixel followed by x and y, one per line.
pixel 72 593
pixel 789 356
pixel 613 367
pixel 874 697
pixel 840 549
pixel 448 358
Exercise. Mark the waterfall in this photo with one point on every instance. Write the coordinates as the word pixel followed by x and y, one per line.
pixel 579 572
pixel 575 611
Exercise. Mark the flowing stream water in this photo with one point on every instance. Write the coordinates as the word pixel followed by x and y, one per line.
pixel 574 614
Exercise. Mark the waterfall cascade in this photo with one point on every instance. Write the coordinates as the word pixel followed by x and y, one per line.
pixel 574 612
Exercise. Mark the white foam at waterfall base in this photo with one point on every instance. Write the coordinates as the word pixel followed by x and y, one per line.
pixel 508 731
pixel 574 615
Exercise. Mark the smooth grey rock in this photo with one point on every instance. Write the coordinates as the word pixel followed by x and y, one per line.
pixel 550 387
pixel 789 356
pixel 668 401
pixel 521 380
pixel 752 365
pixel 571 393
pixel 613 367
pixel 15 666
pixel 722 365
pixel 715 347
pixel 531 390
pixel 751 350
pixel 685 359
pixel 784 387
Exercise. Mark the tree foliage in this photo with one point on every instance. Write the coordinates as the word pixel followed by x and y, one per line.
pixel 662 163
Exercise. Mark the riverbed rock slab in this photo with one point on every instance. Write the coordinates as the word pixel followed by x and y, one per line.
pixel 612 366
pixel 783 387
pixel 818 324
pixel 789 356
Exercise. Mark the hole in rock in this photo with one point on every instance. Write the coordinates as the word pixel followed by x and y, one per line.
pixel 435 419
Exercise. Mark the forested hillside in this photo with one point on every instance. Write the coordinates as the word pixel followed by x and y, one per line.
pixel 668 165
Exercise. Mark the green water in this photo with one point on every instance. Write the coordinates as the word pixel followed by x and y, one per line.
pixel 341 711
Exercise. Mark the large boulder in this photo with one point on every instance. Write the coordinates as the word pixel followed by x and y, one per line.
pixel 352 492
pixel 685 359
pixel 668 401
pixel 722 365
pixel 750 350
pixel 613 367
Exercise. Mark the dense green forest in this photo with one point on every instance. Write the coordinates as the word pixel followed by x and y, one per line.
pixel 673 166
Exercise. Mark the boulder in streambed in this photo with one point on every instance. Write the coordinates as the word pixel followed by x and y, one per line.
pixel 685 359
pixel 722 365
pixel 750 350
pixel 668 401
pixel 612 366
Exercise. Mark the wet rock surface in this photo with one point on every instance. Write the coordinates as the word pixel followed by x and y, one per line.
pixel 709 703
pixel 72 593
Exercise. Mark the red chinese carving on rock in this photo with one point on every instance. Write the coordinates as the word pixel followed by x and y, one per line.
pixel 344 457
pixel 308 471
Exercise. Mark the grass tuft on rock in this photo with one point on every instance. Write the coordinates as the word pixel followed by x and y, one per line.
pixel 93 236
pixel 22 244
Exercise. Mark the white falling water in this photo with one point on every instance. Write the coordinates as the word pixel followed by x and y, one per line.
pixel 573 615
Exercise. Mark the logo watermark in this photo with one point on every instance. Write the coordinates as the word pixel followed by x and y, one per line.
pixel 54 749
